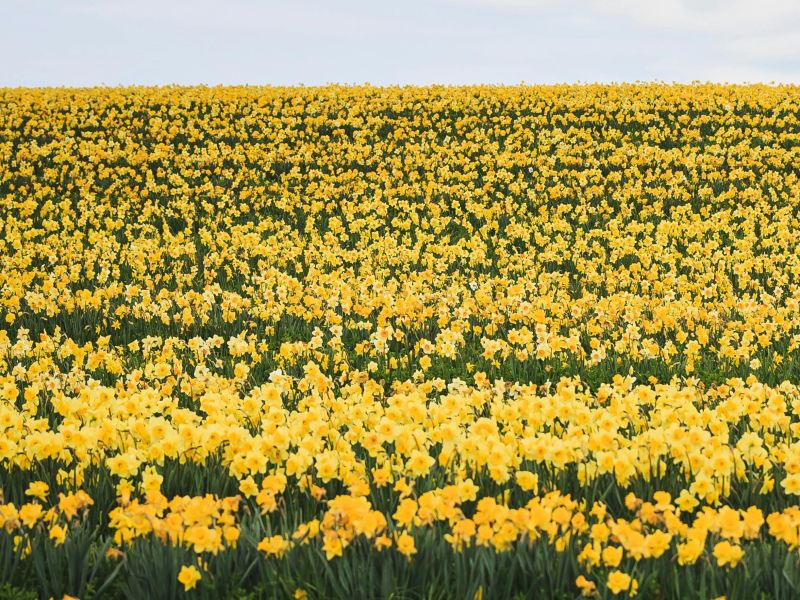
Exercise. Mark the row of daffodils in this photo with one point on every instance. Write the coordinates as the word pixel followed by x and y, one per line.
pixel 345 342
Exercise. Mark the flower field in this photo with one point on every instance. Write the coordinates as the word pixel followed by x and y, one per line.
pixel 356 342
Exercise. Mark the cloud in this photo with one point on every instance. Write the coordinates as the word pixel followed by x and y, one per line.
pixel 698 16
pixel 780 46
pixel 237 16
pixel 709 16
pixel 748 74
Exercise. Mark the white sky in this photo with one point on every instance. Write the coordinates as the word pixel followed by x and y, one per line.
pixel 122 42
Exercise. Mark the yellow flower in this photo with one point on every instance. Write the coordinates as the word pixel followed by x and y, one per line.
pixel 382 542
pixel 162 370
pixel 406 510
pixel 728 554
pixel 30 513
pixel 612 555
pixel 791 483
pixel 274 546
pixel 114 553
pixel 248 487
pixel 241 370
pixel 527 481
pixel 620 582
pixel 58 534
pixel 189 576
pixel 419 463
pixel 405 545
pixel 38 489
pixel 587 587
pixel 690 551
pixel 686 501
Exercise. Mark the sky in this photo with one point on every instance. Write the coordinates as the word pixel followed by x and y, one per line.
pixel 382 42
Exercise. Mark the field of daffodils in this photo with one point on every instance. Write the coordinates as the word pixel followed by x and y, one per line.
pixel 411 343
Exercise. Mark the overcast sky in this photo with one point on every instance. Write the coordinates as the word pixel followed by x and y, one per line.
pixel 122 42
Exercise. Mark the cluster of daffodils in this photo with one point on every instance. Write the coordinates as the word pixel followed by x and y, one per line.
pixel 557 321
pixel 202 523
pixel 34 518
